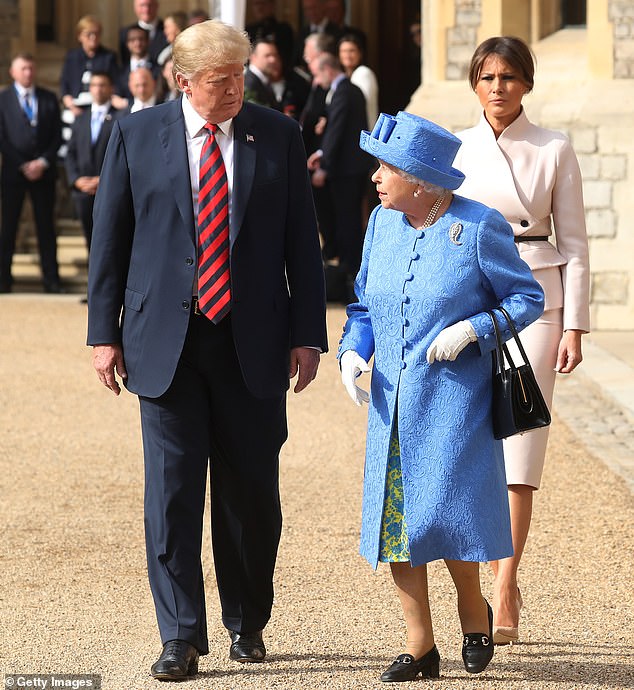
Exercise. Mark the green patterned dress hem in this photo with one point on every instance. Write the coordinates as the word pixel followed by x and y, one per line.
pixel 394 544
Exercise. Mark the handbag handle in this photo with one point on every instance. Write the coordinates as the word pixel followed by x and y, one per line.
pixel 501 349
pixel 498 354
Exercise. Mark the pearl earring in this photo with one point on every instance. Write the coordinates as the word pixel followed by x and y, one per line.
pixel 417 193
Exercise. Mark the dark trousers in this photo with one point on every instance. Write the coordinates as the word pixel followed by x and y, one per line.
pixel 346 196
pixel 326 222
pixel 42 193
pixel 208 419
pixel 84 204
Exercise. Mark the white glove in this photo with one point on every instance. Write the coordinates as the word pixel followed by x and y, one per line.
pixel 352 366
pixel 451 341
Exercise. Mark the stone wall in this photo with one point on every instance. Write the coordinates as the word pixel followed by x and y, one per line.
pixel 462 38
pixel 621 14
pixel 9 29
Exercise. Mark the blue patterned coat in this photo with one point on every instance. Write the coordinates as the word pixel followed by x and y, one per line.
pixel 412 284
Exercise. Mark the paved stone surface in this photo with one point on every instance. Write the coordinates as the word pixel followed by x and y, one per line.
pixel 73 590
pixel 597 401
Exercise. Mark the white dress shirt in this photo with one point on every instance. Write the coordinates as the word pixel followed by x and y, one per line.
pixel 97 116
pixel 22 92
pixel 142 105
pixel 195 136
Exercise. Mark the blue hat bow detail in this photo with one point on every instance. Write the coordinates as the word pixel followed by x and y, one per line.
pixel 415 145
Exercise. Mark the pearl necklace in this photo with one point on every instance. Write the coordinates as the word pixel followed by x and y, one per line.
pixel 433 211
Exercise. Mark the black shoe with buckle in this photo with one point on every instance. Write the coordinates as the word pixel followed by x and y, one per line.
pixel 247 647
pixel 477 648
pixel 405 667
pixel 178 661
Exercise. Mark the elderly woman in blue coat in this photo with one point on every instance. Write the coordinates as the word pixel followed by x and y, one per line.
pixel 434 488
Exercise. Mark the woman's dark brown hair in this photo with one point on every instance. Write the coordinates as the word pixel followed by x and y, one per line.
pixel 512 50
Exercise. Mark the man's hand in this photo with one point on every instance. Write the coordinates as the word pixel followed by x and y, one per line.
pixel 33 170
pixel 87 185
pixel 306 360
pixel 313 160
pixel 318 178
pixel 107 359
pixel 320 127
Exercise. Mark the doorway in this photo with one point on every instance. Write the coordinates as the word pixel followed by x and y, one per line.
pixel 45 21
pixel 398 66
pixel 573 12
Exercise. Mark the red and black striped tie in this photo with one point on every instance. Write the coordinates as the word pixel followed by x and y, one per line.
pixel 214 293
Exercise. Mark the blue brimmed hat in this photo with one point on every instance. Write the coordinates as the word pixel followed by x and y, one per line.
pixel 415 145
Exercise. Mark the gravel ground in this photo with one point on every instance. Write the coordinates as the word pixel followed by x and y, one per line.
pixel 73 591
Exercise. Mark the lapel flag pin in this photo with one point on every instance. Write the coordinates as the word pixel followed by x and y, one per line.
pixel 250 137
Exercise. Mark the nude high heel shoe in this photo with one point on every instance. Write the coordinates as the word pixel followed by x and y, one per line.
pixel 508 635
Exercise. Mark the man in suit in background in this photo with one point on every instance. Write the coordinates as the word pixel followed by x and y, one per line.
pixel 142 87
pixel 146 12
pixel 206 295
pixel 263 62
pixel 266 25
pixel 315 22
pixel 30 135
pixel 313 113
pixel 340 166
pixel 336 13
pixel 87 148
pixel 138 41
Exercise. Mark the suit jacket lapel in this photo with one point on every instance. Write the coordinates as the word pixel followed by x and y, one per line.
pixel 244 156
pixel 174 146
pixel 17 108
pixel 99 148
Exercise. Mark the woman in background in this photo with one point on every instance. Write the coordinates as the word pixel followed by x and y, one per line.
pixel 351 58
pixel 173 24
pixel 81 62
pixel 532 177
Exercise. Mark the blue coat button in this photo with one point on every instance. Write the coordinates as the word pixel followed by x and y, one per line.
pixel 420 234
pixel 403 365
pixel 415 255
pixel 408 276
pixel 405 299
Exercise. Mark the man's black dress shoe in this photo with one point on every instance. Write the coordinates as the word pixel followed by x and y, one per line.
pixel 477 648
pixel 247 647
pixel 178 661
pixel 405 667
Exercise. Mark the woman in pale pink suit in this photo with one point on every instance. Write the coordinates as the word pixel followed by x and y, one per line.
pixel 532 177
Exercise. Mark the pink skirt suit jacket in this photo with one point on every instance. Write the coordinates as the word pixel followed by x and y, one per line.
pixel 531 175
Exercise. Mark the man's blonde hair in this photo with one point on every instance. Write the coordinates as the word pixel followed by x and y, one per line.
pixel 206 46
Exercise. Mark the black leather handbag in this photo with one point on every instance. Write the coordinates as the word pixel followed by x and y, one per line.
pixel 518 403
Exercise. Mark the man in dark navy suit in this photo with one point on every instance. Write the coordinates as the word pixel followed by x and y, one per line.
pixel 263 62
pixel 146 12
pixel 206 295
pixel 30 135
pixel 340 166
pixel 87 148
